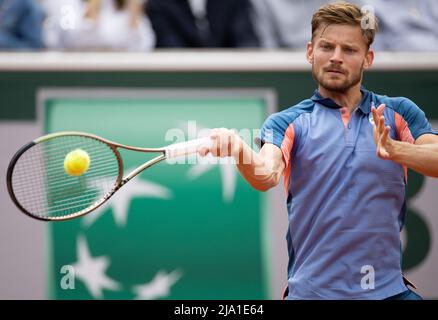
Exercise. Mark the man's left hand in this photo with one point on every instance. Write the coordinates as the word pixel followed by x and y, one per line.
pixel 385 145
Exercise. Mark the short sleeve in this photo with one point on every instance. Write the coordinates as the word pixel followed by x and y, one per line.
pixel 279 130
pixel 415 118
pixel 283 129
pixel 274 129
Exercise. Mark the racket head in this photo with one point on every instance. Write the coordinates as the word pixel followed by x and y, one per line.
pixel 41 188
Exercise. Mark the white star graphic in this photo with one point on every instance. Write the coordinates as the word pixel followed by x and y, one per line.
pixel 92 270
pixel 159 287
pixel 121 200
pixel 227 170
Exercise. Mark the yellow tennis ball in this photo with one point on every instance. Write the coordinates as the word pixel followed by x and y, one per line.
pixel 76 162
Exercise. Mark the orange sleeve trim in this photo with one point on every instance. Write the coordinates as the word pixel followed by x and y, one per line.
pixel 286 149
pixel 403 134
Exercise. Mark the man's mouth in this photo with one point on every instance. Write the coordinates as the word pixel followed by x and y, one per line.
pixel 335 71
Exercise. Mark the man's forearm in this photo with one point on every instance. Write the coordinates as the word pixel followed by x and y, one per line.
pixel 261 170
pixel 258 169
pixel 421 158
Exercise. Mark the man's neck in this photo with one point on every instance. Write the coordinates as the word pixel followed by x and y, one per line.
pixel 349 99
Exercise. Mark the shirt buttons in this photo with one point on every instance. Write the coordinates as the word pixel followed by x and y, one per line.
pixel 349 126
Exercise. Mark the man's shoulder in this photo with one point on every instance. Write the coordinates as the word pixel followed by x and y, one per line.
pixel 398 104
pixel 290 114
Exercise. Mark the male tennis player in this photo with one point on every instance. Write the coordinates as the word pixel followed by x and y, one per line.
pixel 343 154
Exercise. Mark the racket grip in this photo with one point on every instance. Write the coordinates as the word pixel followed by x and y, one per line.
pixel 186 148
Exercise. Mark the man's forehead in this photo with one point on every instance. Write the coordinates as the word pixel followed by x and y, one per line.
pixel 340 33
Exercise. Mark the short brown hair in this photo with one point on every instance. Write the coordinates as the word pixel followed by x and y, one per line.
pixel 346 13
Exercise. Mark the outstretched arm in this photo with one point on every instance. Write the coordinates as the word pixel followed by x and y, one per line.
pixel 262 170
pixel 421 156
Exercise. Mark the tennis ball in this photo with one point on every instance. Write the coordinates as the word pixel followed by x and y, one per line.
pixel 76 162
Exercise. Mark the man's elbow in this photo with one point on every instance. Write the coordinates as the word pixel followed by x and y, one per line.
pixel 434 174
pixel 265 185
pixel 260 187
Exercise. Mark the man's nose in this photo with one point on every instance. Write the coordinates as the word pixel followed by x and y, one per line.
pixel 337 56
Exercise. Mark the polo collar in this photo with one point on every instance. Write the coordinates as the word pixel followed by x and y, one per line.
pixel 364 106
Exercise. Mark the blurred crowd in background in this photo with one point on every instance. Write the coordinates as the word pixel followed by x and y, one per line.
pixel 143 25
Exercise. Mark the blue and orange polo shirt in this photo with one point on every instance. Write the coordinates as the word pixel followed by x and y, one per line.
pixel 346 206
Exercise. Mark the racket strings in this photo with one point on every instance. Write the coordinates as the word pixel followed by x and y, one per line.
pixel 43 188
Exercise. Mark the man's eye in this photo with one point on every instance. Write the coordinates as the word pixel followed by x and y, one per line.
pixel 350 50
pixel 325 46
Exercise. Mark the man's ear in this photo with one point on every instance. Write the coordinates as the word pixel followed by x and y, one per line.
pixel 309 52
pixel 369 58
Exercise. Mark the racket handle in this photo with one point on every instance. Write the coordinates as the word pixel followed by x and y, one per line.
pixel 186 148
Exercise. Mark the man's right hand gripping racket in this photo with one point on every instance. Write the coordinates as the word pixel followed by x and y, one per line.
pixel 66 175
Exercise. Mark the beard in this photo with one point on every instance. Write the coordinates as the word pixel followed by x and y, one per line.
pixel 336 85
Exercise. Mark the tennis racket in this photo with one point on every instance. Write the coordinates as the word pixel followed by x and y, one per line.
pixel 40 186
